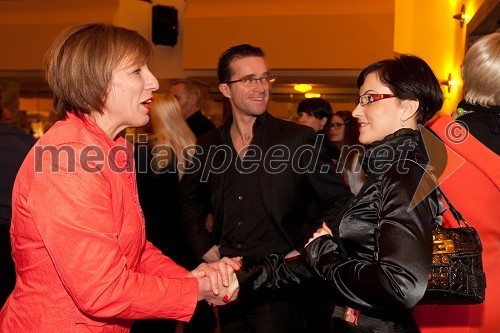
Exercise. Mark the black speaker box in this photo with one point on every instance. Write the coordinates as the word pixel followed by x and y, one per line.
pixel 164 25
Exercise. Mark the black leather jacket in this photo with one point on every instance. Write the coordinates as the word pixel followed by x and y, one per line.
pixel 392 284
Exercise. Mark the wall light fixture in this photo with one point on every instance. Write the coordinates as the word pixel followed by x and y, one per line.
pixel 460 16
pixel 449 83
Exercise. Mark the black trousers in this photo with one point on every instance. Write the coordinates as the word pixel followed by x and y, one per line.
pixel 7 271
pixel 263 312
pixel 203 321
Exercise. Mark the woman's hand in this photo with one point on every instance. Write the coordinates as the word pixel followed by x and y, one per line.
pixel 219 275
pixel 226 267
pixel 324 230
pixel 232 290
pixel 225 295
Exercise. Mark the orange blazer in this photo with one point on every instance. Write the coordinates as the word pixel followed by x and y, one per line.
pixel 78 241
pixel 473 189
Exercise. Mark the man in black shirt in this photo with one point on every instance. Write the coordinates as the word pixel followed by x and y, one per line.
pixel 189 94
pixel 258 174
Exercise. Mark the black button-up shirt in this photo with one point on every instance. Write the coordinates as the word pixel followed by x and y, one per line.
pixel 247 229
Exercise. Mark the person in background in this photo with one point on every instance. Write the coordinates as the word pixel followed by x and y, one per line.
pixel 160 164
pixel 480 108
pixel 190 96
pixel 258 209
pixel 14 146
pixel 377 256
pixel 343 133
pixel 474 185
pixel 315 113
pixel 78 242
pixel 5 117
pixel 343 129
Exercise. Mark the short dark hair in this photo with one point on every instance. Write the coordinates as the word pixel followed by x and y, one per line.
pixel 409 77
pixel 224 71
pixel 316 107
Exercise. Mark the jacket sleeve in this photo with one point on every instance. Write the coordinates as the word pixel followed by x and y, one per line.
pixel 398 279
pixel 73 216
pixel 274 272
pixel 154 262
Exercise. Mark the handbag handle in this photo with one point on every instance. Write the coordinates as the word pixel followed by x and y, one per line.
pixel 456 214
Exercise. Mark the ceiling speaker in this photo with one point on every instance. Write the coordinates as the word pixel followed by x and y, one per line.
pixel 165 25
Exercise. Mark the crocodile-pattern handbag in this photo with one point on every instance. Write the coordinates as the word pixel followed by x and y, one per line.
pixel 457 275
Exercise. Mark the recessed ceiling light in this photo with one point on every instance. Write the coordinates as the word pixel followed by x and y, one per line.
pixel 302 87
pixel 312 95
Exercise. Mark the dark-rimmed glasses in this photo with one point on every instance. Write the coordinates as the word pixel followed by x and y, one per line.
pixel 368 99
pixel 253 81
pixel 336 125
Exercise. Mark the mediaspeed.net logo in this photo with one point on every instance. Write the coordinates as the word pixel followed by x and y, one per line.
pixel 443 161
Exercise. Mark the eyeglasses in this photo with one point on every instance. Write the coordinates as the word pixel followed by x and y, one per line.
pixel 336 125
pixel 253 81
pixel 368 99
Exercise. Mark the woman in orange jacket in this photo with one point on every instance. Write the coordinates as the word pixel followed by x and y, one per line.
pixel 78 241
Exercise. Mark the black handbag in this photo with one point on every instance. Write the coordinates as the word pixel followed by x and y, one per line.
pixel 457 275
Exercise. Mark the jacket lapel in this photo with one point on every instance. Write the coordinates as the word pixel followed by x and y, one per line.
pixel 270 137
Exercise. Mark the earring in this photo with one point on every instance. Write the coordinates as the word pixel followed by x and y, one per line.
pixel 403 122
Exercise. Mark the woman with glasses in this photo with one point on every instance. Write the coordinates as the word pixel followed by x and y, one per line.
pixel 343 133
pixel 376 256
pixel 343 129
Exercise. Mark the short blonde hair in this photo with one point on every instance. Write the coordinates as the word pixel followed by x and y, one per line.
pixel 171 130
pixel 80 63
pixel 481 71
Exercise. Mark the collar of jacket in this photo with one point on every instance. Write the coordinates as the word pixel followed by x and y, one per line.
pixel 478 108
pixel 259 121
pixel 404 144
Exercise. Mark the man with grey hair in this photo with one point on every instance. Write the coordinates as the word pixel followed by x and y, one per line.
pixel 190 95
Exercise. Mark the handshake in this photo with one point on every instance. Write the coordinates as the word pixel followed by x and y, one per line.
pixel 217 282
